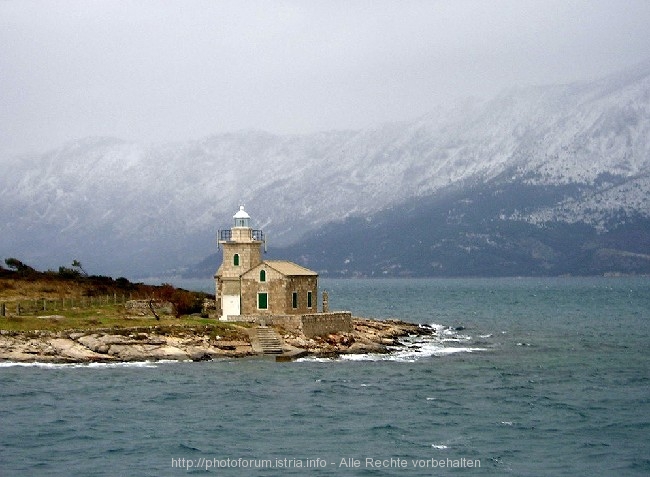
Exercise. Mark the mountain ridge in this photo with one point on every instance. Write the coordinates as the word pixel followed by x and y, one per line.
pixel 131 209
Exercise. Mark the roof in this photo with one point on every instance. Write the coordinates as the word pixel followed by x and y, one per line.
pixel 284 267
pixel 241 214
pixel 289 268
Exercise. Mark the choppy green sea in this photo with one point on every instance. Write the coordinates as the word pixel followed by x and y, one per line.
pixel 527 377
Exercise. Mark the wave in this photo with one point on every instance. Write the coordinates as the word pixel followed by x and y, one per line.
pixel 444 342
pixel 412 354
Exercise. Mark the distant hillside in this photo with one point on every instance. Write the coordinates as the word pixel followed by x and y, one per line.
pixel 561 173
pixel 469 232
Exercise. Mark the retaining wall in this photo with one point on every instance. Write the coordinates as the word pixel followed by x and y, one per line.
pixel 142 306
pixel 320 324
pixel 289 322
pixel 310 325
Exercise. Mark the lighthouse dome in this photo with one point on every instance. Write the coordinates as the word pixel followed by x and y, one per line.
pixel 242 219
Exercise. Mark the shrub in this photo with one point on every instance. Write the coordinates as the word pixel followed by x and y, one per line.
pixel 19 266
pixel 68 273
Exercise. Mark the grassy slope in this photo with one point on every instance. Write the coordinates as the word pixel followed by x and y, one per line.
pixel 16 287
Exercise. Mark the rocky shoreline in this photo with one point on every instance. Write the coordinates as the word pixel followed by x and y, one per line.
pixel 154 344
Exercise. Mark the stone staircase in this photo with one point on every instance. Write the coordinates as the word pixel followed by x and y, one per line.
pixel 265 340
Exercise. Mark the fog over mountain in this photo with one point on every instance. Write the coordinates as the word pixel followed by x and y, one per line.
pixel 533 158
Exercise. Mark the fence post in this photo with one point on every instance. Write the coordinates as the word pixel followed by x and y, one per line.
pixel 2 309
pixel 18 308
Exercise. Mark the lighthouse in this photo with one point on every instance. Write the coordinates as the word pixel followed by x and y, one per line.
pixel 242 250
pixel 246 285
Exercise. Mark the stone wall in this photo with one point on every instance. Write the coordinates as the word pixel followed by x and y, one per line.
pixel 209 308
pixel 310 325
pixel 142 306
pixel 320 324
pixel 288 322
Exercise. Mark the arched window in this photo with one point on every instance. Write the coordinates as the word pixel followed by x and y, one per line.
pixel 235 260
pixel 262 275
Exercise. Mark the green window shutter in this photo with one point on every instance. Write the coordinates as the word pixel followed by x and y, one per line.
pixel 262 275
pixel 235 260
pixel 308 299
pixel 262 301
pixel 294 299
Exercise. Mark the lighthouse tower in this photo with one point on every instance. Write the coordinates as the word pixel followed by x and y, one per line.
pixel 242 250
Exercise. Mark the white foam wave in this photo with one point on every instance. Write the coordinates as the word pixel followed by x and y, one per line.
pixel 313 359
pixel 413 353
pixel 446 341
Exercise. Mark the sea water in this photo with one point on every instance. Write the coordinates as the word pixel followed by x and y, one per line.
pixel 526 377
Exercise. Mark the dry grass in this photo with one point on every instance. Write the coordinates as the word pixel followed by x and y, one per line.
pixel 95 314
pixel 12 289
pixel 113 318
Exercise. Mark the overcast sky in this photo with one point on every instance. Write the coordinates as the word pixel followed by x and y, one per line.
pixel 165 70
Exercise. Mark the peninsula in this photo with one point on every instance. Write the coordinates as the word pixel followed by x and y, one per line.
pixel 260 307
pixel 69 317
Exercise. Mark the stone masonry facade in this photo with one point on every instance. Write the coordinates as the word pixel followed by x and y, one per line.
pixel 279 290
pixel 310 325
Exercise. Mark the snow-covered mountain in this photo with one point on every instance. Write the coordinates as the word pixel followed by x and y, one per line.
pixel 133 209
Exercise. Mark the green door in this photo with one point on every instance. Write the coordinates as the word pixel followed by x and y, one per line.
pixel 262 301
